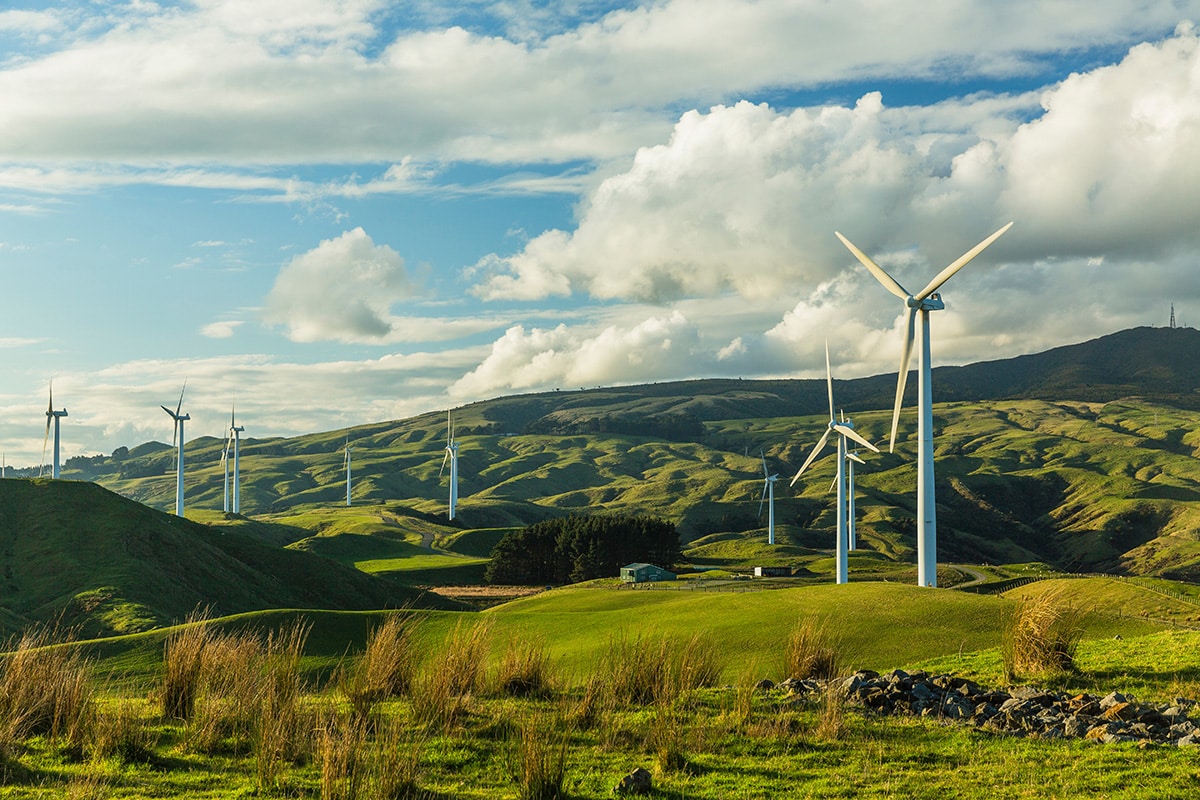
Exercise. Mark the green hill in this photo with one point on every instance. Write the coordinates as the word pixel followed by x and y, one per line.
pixel 78 553
pixel 1083 457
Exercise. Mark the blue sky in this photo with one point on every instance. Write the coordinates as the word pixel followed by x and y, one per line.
pixel 340 212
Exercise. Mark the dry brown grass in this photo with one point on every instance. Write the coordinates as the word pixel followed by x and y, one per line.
pixel 45 689
pixel 387 666
pixel 442 693
pixel 1040 636
pixel 524 670
pixel 813 650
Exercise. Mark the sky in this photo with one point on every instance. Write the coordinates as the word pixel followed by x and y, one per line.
pixel 336 212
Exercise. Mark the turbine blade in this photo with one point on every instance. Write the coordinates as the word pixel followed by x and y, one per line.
pixel 850 433
pixel 832 485
pixel 179 407
pixel 763 500
pixel 829 380
pixel 766 474
pixel 855 457
pixel 945 274
pixel 444 460
pixel 50 408
pixel 902 376
pixel 812 456
pixel 888 281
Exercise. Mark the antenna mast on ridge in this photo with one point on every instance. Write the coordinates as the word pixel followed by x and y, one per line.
pixel 1172 315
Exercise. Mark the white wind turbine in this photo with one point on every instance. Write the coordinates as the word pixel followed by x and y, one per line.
pixel 924 301
pixel 179 419
pixel 232 438
pixel 845 430
pixel 346 464
pixel 452 459
pixel 769 498
pixel 52 416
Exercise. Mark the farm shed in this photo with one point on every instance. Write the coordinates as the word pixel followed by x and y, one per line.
pixel 643 573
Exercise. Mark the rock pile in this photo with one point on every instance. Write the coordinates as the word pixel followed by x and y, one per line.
pixel 1024 711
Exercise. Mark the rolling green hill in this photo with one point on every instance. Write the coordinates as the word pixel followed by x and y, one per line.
pixel 74 552
pixel 1083 457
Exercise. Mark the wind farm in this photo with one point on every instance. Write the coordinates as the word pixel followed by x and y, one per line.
pixel 533 376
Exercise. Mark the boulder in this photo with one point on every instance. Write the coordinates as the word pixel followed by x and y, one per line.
pixel 636 782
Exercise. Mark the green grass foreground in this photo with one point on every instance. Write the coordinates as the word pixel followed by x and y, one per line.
pixel 660 679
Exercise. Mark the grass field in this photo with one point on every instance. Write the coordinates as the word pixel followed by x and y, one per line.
pixel 718 740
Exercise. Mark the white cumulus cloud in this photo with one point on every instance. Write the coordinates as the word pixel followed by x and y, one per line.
pixel 343 289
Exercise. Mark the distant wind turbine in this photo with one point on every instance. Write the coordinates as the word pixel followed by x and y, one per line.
pixel 179 419
pixel 924 301
pixel 51 416
pixel 769 498
pixel 844 430
pixel 346 464
pixel 232 439
pixel 452 459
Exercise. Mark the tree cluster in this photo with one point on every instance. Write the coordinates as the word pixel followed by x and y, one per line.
pixel 579 548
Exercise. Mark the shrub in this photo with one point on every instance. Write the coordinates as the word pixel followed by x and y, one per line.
pixel 1040 635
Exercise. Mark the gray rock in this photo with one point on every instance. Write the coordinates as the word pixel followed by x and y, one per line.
pixel 637 782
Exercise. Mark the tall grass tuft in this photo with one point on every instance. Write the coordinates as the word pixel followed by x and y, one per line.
pixel 183 656
pixel 395 769
pixel 279 730
pixel 342 768
pixel 441 694
pixel 831 715
pixel 539 758
pixel 1040 635
pixel 387 666
pixel 120 731
pixel 813 650
pixel 45 689
pixel 524 670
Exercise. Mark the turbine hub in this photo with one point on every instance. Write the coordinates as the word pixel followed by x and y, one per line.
pixel 932 303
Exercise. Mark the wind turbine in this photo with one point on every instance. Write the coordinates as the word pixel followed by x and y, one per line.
pixel 346 464
pixel 52 416
pixel 232 437
pixel 769 498
pixel 179 419
pixel 845 430
pixel 924 301
pixel 452 459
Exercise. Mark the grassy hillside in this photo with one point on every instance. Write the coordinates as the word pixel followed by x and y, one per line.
pixel 1076 472
pixel 75 551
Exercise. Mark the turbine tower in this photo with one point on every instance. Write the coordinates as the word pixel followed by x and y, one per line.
pixel 928 299
pixel 452 459
pixel 232 438
pixel 52 416
pixel 769 498
pixel 346 464
pixel 179 419
pixel 845 430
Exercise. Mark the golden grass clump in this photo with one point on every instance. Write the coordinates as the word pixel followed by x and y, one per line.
pixel 524 670
pixel 813 651
pixel 183 655
pixel 44 689
pixel 387 666
pixel 440 695
pixel 538 758
pixel 1040 635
